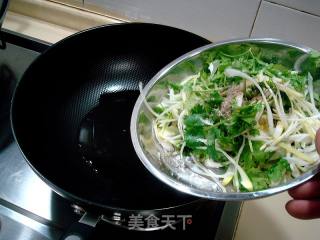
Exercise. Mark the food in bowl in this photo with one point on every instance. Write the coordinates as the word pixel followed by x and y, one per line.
pixel 240 116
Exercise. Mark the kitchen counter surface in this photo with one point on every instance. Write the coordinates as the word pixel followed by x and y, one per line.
pixel 267 218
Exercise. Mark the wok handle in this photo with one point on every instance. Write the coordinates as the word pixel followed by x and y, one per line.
pixel 82 230
pixel 3 9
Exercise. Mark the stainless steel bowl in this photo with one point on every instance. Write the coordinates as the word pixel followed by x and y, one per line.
pixel 190 183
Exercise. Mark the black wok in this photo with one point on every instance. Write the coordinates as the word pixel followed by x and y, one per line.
pixel 71 115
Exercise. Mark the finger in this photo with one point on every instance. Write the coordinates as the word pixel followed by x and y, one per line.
pixel 318 140
pixel 304 209
pixel 307 190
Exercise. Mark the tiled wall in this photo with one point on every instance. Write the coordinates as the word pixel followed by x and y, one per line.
pixel 310 6
pixel 279 21
pixel 294 20
pixel 213 19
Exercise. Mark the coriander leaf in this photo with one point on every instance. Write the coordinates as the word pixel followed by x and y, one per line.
pixel 204 74
pixel 258 155
pixel 254 132
pixel 192 141
pixel 170 84
pixel 246 159
pixel 243 119
pixel 312 65
pixel 234 50
pixel 277 69
pixel 198 109
pixel 258 178
pixel 194 129
pixel 194 120
pixel 208 57
pixel 277 172
pixel 316 92
pixel 297 81
pixel 212 135
pixel 158 109
pixel 215 155
pixel 215 99
pixel 143 119
pixel 227 143
pixel 212 152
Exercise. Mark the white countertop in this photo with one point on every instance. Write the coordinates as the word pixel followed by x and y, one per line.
pixel 267 218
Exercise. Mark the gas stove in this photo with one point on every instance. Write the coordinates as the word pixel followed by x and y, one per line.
pixel 29 209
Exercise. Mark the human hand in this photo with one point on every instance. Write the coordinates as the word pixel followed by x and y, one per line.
pixel 306 197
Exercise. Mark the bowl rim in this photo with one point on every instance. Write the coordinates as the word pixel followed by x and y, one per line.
pixel 172 182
